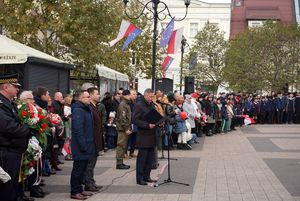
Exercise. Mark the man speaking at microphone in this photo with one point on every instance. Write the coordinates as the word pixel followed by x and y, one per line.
pixel 145 139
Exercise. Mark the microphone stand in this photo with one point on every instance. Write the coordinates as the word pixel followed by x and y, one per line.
pixel 163 132
pixel 169 180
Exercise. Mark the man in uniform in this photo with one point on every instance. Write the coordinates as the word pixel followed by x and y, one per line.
pixel 123 121
pixel 13 137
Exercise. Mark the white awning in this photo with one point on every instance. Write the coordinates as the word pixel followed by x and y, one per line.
pixel 13 52
pixel 109 73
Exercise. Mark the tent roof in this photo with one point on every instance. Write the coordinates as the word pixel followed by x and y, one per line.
pixel 109 73
pixel 13 52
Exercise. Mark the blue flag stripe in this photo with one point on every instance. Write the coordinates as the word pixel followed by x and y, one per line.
pixel 131 37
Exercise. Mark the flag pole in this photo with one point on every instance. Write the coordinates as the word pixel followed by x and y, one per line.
pixel 183 44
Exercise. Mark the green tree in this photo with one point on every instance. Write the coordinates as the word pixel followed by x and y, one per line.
pixel 76 31
pixel 263 58
pixel 210 47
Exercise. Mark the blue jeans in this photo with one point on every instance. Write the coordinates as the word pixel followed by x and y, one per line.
pixel 194 138
pixel 77 174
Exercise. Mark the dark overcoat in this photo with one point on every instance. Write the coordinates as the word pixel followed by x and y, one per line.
pixel 83 143
pixel 145 136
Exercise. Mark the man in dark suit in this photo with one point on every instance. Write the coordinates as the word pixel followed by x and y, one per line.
pixel 145 139
pixel 13 137
pixel 83 144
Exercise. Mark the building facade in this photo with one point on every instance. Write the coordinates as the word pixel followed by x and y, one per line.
pixel 199 12
pixel 249 13
pixel 297 10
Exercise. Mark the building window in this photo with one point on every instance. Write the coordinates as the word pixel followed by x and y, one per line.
pixel 193 29
pixel 238 3
pixel 255 23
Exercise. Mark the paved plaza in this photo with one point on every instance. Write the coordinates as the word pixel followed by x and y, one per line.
pixel 254 163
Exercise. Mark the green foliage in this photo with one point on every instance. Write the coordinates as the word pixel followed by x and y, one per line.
pixel 77 31
pixel 263 58
pixel 210 47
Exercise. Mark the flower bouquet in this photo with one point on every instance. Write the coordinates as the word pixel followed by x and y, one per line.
pixel 31 156
pixel 36 119
pixel 57 122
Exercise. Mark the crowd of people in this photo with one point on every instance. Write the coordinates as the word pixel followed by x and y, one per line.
pixel 92 125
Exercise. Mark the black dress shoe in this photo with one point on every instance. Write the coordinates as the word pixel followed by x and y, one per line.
pixel 60 162
pixel 98 186
pixel 154 166
pixel 142 182
pixel 151 180
pixel 56 168
pixel 46 174
pixel 123 167
pixel 36 194
pixel 26 198
pixel 79 196
pixel 91 188
pixel 40 190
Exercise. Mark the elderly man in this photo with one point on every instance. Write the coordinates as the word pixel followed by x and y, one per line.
pixel 13 137
pixel 27 97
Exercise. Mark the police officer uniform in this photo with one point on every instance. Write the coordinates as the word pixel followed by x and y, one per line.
pixel 13 141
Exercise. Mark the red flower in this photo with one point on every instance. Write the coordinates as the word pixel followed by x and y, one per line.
pixel 41 117
pixel 44 126
pixel 24 113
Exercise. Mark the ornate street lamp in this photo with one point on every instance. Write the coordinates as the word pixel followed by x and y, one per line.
pixel 152 7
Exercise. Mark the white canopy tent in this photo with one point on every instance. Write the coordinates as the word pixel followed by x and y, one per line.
pixel 110 80
pixel 33 67
pixel 13 52
pixel 109 73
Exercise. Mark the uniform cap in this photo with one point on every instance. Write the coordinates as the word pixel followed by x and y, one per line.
pixel 10 79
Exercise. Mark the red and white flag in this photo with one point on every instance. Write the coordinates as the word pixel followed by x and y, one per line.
pixel 125 29
pixel 66 150
pixel 248 120
pixel 166 63
pixel 175 41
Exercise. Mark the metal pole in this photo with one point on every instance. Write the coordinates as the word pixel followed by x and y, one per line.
pixel 155 5
pixel 181 66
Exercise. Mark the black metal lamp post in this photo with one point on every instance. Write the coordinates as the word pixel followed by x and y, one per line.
pixel 155 16
pixel 183 44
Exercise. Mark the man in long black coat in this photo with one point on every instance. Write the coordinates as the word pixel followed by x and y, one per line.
pixel 145 140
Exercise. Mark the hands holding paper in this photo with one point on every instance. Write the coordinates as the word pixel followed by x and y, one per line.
pixel 151 126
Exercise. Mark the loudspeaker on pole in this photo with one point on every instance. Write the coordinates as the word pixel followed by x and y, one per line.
pixel 189 84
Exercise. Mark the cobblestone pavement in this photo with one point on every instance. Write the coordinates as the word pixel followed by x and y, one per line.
pixel 253 163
